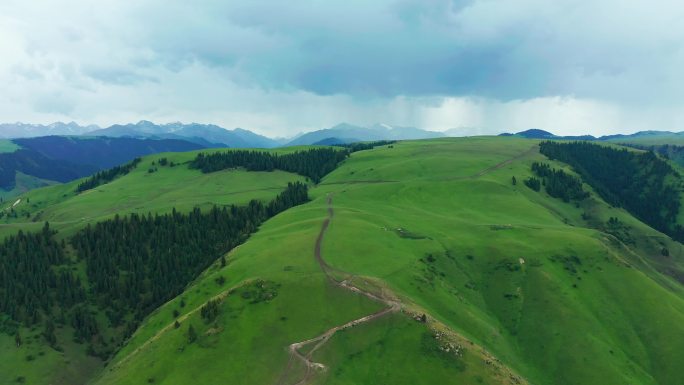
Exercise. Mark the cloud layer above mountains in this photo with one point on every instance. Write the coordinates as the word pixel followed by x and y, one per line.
pixel 485 66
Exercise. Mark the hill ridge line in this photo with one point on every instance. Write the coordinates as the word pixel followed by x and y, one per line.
pixel 393 306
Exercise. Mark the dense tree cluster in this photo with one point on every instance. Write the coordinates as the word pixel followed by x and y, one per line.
pixel 139 262
pixel 558 183
pixel 361 146
pixel 31 284
pixel 133 264
pixel 165 162
pixel 84 323
pixel 533 183
pixel 210 310
pixel 642 183
pixel 106 176
pixel 313 163
pixel 26 274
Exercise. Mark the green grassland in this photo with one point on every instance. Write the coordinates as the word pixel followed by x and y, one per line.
pixel 552 317
pixel 7 145
pixel 139 191
pixel 142 191
pixel 529 288
pixel 515 274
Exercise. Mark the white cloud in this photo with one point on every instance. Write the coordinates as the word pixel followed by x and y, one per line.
pixel 568 66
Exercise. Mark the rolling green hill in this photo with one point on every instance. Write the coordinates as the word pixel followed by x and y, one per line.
pixel 141 191
pixel 414 262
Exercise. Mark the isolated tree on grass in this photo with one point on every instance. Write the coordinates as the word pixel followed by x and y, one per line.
pixel 49 333
pixel 192 334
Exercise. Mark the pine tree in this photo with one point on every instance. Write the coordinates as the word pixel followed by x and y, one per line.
pixel 192 334
pixel 49 333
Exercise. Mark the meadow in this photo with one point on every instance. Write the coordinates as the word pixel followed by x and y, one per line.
pixel 7 145
pixel 141 191
pixel 528 286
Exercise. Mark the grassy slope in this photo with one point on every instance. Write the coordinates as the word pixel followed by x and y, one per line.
pixel 138 191
pixel 143 192
pixel 532 317
pixel 7 145
pixel 24 183
pixel 512 270
pixel 251 347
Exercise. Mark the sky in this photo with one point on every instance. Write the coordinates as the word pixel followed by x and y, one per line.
pixel 282 67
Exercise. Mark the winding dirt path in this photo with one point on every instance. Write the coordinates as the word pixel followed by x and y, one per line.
pixel 331 273
pixel 343 279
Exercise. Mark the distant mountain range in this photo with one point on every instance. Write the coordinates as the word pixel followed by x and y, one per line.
pixel 347 133
pixel 637 137
pixel 209 135
pixel 23 130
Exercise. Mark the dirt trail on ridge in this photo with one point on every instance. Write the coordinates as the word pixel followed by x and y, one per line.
pixel 331 274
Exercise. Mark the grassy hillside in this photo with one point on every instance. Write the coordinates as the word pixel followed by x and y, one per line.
pixel 140 191
pixel 26 163
pixel 515 285
pixel 7 145
pixel 24 183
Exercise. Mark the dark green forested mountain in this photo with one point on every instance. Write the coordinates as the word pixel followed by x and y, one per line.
pixel 642 183
pixel 63 159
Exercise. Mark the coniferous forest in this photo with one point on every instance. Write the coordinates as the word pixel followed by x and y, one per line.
pixel 360 146
pixel 26 273
pixel 558 183
pixel 106 176
pixel 313 163
pixel 133 264
pixel 641 182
